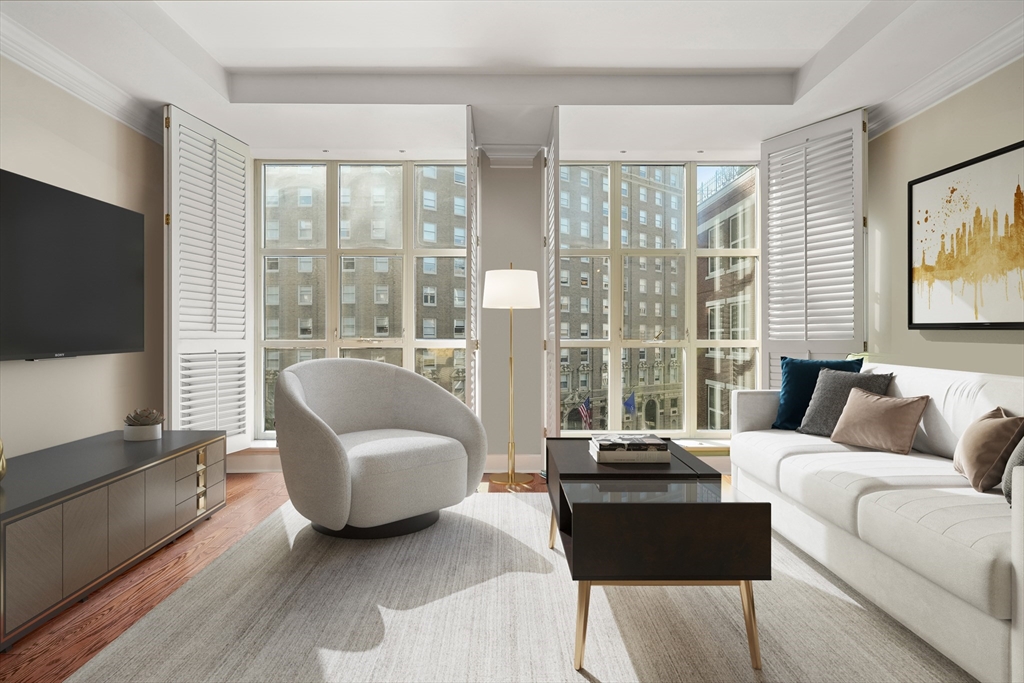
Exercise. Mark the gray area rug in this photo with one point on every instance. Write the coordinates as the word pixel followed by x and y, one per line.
pixel 479 597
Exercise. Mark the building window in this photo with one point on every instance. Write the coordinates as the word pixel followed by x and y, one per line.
pixel 305 328
pixel 625 189
pixel 273 265
pixel 563 199
pixel 563 225
pixel 430 265
pixel 305 354
pixel 305 264
pixel 348 327
pixel 564 302
pixel 643 239
pixel 584 330
pixel 305 230
pixel 460 175
pixel 673 202
pixel 429 296
pixel 380 326
pixel 305 196
pixel 379 197
pixel 345 229
pixel 429 328
pixel 584 178
pixel 564 356
pixel 625 213
pixel 584 304
pixel 584 228
pixel 378 229
pixel 643 217
pixel 380 264
pixel 604 209
pixel 459 264
pixel 584 380
pixel 459 329
pixel 345 196
pixel 273 295
pixel 563 277
pixel 642 286
pixel 643 194
pixel 305 295
pixel 271 197
pixel 273 360
pixel 642 307
pixel 348 263
pixel 563 173
pixel 659 198
pixel 460 206
pixel 273 231
pixel 585 204
pixel 348 294
pixel 273 328
pixel 429 171
pixel 429 232
pixel 460 237
pixel 585 280
pixel 563 328
pixel 460 298
pixel 659 220
pixel 381 294
pixel 429 200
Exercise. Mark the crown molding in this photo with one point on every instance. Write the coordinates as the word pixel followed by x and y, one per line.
pixel 28 50
pixel 999 49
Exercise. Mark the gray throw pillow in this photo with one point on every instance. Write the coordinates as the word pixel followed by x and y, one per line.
pixel 831 394
pixel 1016 460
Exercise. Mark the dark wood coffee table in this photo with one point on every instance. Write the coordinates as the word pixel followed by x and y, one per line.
pixel 654 525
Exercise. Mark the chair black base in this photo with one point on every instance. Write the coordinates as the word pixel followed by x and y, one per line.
pixel 400 528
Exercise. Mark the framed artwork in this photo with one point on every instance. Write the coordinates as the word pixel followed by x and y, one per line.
pixel 966 251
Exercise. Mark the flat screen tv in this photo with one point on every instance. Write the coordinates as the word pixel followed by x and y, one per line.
pixel 71 273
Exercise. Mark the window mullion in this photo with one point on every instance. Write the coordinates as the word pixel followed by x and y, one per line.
pixel 689 338
pixel 333 296
pixel 615 321
pixel 409 300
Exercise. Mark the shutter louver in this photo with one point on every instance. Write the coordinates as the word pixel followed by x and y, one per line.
pixel 814 248
pixel 552 385
pixel 208 274
pixel 472 265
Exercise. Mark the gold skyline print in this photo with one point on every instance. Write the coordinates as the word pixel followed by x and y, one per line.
pixel 968 244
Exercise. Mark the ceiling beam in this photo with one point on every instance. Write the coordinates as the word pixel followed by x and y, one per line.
pixel 589 89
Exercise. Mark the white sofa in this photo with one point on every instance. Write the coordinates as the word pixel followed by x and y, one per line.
pixel 907 531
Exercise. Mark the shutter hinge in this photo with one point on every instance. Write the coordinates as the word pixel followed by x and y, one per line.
pixel 865 221
pixel 476 344
pixel 545 241
pixel 167 122
pixel 545 162
pixel 545 432
pixel 864 126
pixel 545 344
pixel 167 219
pixel 865 347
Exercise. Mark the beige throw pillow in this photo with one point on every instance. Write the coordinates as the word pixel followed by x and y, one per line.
pixel 884 423
pixel 985 446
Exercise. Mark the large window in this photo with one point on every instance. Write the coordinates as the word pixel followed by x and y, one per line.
pixel 678 291
pixel 374 267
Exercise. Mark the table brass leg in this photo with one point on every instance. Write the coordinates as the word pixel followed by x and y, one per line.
pixel 582 612
pixel 554 530
pixel 747 596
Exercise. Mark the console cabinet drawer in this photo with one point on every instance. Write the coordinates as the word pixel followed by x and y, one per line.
pixel 186 465
pixel 33 571
pixel 215 451
pixel 185 512
pixel 185 488
pixel 215 473
pixel 214 495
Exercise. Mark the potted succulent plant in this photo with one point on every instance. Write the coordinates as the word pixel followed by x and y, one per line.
pixel 143 424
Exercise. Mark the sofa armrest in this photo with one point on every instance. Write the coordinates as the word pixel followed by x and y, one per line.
pixel 753 410
pixel 1017 589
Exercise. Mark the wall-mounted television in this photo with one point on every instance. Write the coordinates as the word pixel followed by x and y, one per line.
pixel 71 273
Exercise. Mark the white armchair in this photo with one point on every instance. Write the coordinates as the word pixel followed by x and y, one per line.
pixel 370 450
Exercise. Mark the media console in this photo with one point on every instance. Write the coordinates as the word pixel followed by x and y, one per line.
pixel 75 516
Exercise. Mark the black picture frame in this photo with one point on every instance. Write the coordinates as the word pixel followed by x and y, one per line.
pixel 952 325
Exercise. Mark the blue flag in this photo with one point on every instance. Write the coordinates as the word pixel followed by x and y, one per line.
pixel 630 403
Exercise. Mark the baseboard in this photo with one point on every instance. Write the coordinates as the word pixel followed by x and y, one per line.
pixel 525 462
pixel 239 463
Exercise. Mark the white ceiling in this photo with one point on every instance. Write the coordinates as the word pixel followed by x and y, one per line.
pixel 660 80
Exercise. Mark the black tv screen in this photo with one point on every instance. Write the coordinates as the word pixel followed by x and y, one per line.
pixel 71 273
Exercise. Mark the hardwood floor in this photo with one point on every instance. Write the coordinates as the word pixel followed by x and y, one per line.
pixel 59 647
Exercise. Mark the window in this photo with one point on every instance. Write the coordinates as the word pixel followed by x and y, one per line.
pixel 459 330
pixel 379 197
pixel 657 286
pixel 658 242
pixel 305 354
pixel 348 294
pixel 378 229
pixel 643 217
pixel 642 262
pixel 305 196
pixel 625 213
pixel 657 175
pixel 460 175
pixel 305 264
pixel 564 382
pixel 563 277
pixel 460 206
pixel 273 295
pixel 659 198
pixel 642 286
pixel 305 230
pixel 673 287
pixel 584 279
pixel 563 225
pixel 305 328
pixel 273 265
pixel 643 239
pixel 563 173
pixel 460 237
pixel 429 296
pixel 584 380
pixel 563 356
pixel 380 264
pixel 460 298
pixel 273 360
pixel 625 189
pixel 642 308
pixel 345 195
pixel 643 194
pixel 345 229
pixel 273 328
pixel 273 231
pixel 348 263
pixel 584 304
pixel 430 265
pixel 429 328
pixel 563 199
pixel 429 200
pixel 657 265
pixel 659 220
pixel 348 327
pixel 429 171
pixel 459 266
pixel 585 204
pixel 673 310
pixel 584 330
pixel 714 322
pixel 564 329
pixel 643 172
pixel 657 309
pixel 381 294
pixel 674 224
pixel 674 202
pixel 380 326
pixel 564 303
pixel 271 197
pixel 584 178
pixel 305 295
pixel 604 208
pixel 429 232
pixel 584 228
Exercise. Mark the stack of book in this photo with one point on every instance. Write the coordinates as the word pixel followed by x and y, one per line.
pixel 647 448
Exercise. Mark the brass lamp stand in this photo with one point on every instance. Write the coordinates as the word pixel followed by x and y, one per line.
pixel 511 289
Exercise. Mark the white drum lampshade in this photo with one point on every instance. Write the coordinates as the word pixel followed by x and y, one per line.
pixel 511 289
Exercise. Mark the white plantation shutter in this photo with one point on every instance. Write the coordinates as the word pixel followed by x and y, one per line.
pixel 813 303
pixel 209 271
pixel 552 386
pixel 472 266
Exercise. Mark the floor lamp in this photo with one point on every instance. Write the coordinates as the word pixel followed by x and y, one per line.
pixel 511 289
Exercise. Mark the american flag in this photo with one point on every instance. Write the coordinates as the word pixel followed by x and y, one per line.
pixel 585 414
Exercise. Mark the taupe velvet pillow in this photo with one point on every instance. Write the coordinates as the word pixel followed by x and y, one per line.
pixel 1016 460
pixel 985 446
pixel 884 423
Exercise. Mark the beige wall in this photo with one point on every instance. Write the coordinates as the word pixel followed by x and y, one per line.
pixel 511 230
pixel 50 135
pixel 982 118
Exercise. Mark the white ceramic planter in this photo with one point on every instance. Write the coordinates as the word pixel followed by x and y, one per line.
pixel 143 432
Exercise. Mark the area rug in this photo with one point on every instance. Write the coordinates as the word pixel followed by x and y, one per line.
pixel 480 597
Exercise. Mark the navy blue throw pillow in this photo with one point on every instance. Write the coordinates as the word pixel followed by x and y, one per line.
pixel 799 378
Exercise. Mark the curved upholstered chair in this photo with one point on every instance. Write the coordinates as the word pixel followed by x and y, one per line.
pixel 370 450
